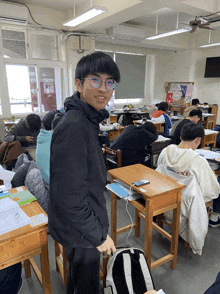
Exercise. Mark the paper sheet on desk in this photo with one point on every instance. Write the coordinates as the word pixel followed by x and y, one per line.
pixel 12 221
pixel 162 138
pixel 208 154
pixel 208 132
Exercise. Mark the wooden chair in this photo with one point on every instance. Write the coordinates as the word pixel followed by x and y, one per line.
pixel 161 220
pixel 112 162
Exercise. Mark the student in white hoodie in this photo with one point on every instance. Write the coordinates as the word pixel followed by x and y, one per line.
pixel 183 160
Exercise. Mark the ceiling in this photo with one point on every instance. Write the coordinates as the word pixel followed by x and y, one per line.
pixel 142 14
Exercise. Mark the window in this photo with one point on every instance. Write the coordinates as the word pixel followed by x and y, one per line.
pixel 14 44
pixel 22 88
pixel 44 46
pixel 32 72
pixel 49 85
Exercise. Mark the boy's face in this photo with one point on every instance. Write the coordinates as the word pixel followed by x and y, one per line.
pixel 97 98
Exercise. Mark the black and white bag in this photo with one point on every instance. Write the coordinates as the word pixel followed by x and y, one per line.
pixel 128 273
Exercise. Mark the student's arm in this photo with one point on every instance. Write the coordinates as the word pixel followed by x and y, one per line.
pixel 69 187
pixel 15 133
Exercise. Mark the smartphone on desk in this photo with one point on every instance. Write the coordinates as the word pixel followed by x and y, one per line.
pixel 141 183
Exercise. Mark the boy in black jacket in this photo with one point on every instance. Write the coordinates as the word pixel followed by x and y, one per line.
pixel 77 209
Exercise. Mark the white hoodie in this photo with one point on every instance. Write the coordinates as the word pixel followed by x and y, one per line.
pixel 190 168
pixel 186 161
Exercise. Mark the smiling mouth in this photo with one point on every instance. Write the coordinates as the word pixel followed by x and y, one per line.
pixel 101 98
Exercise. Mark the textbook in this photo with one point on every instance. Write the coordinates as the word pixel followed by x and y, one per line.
pixel 23 197
pixel 117 189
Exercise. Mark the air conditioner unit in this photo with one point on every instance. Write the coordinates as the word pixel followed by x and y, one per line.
pixel 13 13
pixel 126 33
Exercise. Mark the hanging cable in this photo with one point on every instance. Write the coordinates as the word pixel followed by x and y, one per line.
pixel 177 21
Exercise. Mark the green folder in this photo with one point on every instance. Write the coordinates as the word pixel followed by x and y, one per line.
pixel 24 197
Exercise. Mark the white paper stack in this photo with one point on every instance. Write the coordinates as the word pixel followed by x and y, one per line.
pixel 12 216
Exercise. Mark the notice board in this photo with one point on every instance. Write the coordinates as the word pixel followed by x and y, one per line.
pixel 179 92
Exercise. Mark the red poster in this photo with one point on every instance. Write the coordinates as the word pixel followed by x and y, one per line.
pixel 169 98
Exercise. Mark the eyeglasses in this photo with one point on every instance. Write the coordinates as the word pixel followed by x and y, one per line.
pixel 96 83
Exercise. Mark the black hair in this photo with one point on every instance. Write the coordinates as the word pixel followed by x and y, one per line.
pixel 197 112
pixel 97 62
pixel 163 106
pixel 195 101
pixel 33 122
pixel 150 127
pixel 56 119
pixel 191 131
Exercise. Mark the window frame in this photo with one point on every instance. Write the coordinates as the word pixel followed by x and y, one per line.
pixel 34 62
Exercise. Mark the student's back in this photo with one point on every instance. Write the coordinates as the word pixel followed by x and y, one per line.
pixel 133 142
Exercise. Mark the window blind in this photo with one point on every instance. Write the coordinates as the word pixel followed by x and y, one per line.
pixel 132 70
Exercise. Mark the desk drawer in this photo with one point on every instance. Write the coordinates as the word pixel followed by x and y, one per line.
pixel 19 246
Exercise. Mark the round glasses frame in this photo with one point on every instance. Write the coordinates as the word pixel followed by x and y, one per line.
pixel 96 83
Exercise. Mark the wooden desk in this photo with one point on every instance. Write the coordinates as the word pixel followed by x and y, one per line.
pixel 162 194
pixel 113 134
pixel 178 108
pixel 9 123
pixel 24 243
pixel 113 118
pixel 157 124
pixel 209 138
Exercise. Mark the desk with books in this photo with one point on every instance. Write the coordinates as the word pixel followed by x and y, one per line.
pixel 161 195
pixel 24 243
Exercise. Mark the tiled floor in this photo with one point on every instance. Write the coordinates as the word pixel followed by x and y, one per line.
pixel 193 274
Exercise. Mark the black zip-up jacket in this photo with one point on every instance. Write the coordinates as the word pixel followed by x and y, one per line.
pixel 77 207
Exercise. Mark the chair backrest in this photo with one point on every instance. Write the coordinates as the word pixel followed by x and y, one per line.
pixel 155 149
pixel 115 161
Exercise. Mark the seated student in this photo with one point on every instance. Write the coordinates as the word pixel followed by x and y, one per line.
pixel 134 141
pixel 182 159
pixel 161 116
pixel 194 116
pixel 43 150
pixel 10 279
pixel 48 117
pixel 195 104
pixel 25 131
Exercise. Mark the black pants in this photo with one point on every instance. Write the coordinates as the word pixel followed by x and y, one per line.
pixel 10 278
pixel 84 277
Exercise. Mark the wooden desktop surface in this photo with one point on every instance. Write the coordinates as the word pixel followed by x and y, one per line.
pixel 24 243
pixel 162 194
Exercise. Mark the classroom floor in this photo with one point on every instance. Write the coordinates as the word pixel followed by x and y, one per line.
pixel 193 274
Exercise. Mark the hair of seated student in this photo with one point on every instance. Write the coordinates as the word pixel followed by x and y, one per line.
pixel 150 127
pixel 197 112
pixel 33 122
pixel 163 106
pixel 191 131
pixel 98 62
pixel 195 101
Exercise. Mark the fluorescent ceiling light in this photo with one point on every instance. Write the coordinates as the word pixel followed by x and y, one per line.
pixel 92 12
pixel 210 45
pixel 168 34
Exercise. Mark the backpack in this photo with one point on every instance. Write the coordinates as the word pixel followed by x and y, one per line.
pixel 128 273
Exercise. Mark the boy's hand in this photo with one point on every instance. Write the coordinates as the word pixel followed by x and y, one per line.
pixel 30 139
pixel 107 246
